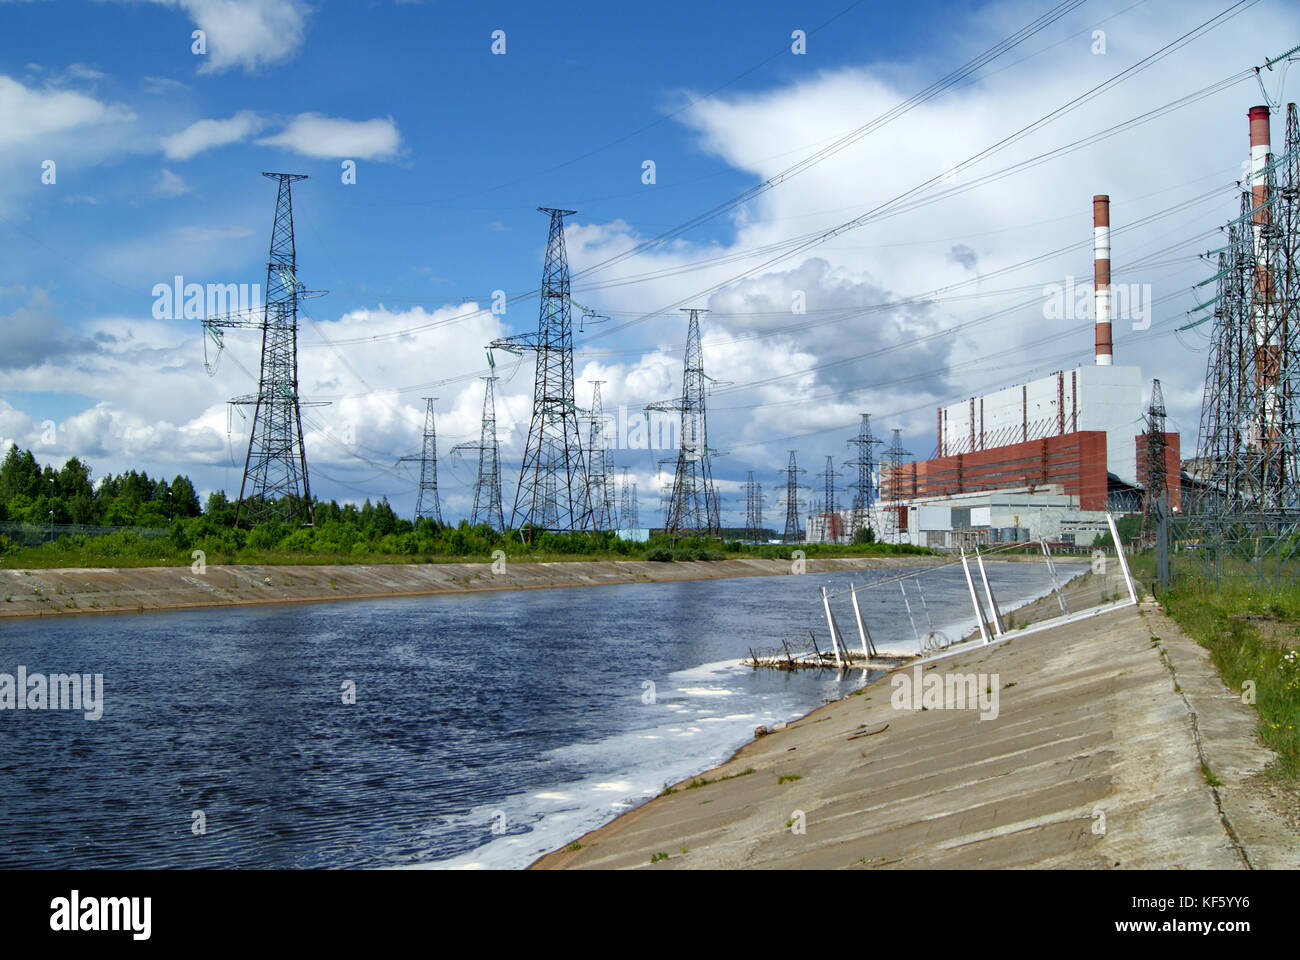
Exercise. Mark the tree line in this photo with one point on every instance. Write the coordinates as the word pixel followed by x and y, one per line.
pixel 39 495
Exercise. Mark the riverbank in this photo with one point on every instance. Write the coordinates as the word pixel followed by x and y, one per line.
pixel 1114 744
pixel 73 591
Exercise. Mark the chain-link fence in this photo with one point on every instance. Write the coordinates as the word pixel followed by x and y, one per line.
pixel 35 534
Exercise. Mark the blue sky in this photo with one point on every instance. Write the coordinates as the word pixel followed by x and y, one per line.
pixel 158 153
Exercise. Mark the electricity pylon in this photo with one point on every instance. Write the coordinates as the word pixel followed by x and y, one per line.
pixel 753 509
pixel 693 503
pixel 891 482
pixel 600 497
pixel 864 489
pixel 793 534
pixel 628 509
pixel 828 509
pixel 552 492
pixel 275 485
pixel 426 500
pixel 1243 512
pixel 487 485
pixel 1154 456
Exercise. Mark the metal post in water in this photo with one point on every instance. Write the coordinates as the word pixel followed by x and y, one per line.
pixel 830 625
pixel 920 645
pixel 993 604
pixel 1051 570
pixel 868 648
pixel 974 599
pixel 929 622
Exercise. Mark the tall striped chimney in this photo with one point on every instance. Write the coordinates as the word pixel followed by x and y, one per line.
pixel 1268 349
pixel 1101 276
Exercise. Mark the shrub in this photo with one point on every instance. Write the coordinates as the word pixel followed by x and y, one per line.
pixel 300 541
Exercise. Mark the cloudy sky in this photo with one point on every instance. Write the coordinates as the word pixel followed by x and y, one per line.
pixel 956 143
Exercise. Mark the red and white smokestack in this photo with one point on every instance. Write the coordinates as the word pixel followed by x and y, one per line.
pixel 1101 277
pixel 1261 216
pixel 1267 346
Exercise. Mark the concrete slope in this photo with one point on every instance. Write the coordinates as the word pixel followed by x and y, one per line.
pixel 1092 761
pixel 141 589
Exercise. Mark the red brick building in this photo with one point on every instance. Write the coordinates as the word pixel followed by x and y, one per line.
pixel 1075 461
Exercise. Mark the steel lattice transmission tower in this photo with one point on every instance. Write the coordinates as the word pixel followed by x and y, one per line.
pixel 552 492
pixel 665 492
pixel 600 494
pixel 693 503
pixel 427 506
pixel 828 509
pixel 892 483
pixel 1243 507
pixel 487 485
pixel 628 508
pixel 864 490
pixel 793 534
pixel 1153 453
pixel 753 508
pixel 275 485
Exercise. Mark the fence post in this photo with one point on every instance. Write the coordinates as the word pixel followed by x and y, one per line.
pixel 1123 564
pixel 1162 545
pixel 1051 570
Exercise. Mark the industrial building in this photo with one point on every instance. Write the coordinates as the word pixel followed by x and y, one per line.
pixel 1043 459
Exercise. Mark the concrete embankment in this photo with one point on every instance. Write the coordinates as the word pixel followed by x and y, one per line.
pixel 1114 745
pixel 60 592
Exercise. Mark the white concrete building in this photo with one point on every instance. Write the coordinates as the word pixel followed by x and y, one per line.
pixel 1105 398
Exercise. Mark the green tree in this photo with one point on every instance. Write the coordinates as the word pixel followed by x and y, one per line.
pixel 185 501
pixel 19 474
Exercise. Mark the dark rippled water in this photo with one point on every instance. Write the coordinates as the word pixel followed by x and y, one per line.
pixel 488 728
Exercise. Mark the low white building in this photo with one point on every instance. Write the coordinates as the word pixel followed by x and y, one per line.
pixel 984 517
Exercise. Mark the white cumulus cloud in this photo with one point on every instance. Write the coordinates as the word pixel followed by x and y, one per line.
pixel 314 135
pixel 207 134
pixel 28 114
pixel 245 33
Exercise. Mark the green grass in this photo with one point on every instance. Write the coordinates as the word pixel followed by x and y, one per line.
pixel 788 778
pixel 125 552
pixel 656 857
pixel 1250 632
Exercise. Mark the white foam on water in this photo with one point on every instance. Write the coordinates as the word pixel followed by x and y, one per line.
pixel 705 692
pixel 622 772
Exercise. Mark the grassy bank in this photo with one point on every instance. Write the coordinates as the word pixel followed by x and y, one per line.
pixel 1253 636
pixel 427 544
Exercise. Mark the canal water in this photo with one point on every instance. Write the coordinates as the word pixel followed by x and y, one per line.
pixel 487 728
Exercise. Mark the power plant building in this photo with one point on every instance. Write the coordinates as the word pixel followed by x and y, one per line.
pixel 1043 459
